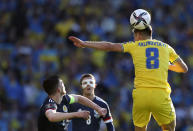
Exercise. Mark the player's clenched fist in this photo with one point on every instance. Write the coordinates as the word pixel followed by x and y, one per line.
pixel 102 112
pixel 83 114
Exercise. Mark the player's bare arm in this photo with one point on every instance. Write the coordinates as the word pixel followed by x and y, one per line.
pixel 86 102
pixel 54 116
pixel 100 45
pixel 178 66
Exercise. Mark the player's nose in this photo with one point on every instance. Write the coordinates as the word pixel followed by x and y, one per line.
pixel 88 86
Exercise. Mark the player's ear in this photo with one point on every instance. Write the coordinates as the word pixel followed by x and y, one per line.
pixel 59 89
pixel 95 85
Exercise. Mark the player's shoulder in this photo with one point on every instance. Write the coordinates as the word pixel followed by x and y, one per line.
pixel 99 100
pixel 159 41
pixel 48 104
pixel 129 42
pixel 49 100
pixel 66 99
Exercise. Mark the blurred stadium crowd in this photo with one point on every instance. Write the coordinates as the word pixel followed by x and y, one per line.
pixel 34 44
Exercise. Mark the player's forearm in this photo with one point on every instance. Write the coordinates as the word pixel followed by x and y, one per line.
pixel 103 45
pixel 179 66
pixel 176 69
pixel 58 116
pixel 173 68
pixel 86 102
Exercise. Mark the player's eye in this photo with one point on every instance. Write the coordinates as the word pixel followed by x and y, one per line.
pixel 84 83
pixel 91 82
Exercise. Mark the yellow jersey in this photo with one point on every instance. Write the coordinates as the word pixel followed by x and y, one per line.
pixel 151 60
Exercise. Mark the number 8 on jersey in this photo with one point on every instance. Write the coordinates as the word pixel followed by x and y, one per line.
pixel 152 61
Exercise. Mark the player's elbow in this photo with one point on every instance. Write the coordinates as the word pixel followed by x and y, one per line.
pixel 108 47
pixel 185 69
pixel 51 118
pixel 181 66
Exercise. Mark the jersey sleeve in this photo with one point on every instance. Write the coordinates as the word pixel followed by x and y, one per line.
pixel 128 47
pixel 108 118
pixel 173 56
pixel 50 105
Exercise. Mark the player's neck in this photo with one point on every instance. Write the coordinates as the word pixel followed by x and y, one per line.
pixel 57 98
pixel 89 96
pixel 143 38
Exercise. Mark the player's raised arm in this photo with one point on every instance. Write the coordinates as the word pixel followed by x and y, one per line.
pixel 100 45
pixel 54 116
pixel 86 102
pixel 178 66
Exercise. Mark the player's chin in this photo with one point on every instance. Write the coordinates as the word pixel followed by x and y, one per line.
pixel 64 93
pixel 89 93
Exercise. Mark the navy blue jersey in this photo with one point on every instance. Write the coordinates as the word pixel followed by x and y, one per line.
pixel 44 124
pixel 93 123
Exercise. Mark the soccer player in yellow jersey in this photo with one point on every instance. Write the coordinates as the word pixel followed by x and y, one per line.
pixel 152 60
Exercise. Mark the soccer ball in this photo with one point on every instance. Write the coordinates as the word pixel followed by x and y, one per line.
pixel 140 19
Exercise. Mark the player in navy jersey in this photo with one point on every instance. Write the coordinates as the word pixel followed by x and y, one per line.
pixel 54 114
pixel 88 85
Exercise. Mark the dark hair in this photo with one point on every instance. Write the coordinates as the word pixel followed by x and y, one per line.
pixel 146 32
pixel 50 84
pixel 84 76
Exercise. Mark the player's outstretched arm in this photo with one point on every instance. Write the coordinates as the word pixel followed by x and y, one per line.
pixel 179 66
pixel 100 45
pixel 86 102
pixel 54 116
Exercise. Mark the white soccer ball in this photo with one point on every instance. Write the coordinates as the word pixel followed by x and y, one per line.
pixel 140 19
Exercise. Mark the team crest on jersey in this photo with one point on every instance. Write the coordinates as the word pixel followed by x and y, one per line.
pixel 96 114
pixel 65 109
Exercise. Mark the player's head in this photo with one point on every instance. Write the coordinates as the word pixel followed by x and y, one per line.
pixel 88 84
pixel 53 85
pixel 143 34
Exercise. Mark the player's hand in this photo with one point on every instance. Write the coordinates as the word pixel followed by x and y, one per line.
pixel 102 112
pixel 83 114
pixel 77 42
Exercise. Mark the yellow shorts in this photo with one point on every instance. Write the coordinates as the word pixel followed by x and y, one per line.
pixel 155 101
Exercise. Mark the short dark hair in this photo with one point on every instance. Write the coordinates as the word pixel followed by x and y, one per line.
pixel 85 76
pixel 51 84
pixel 147 31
